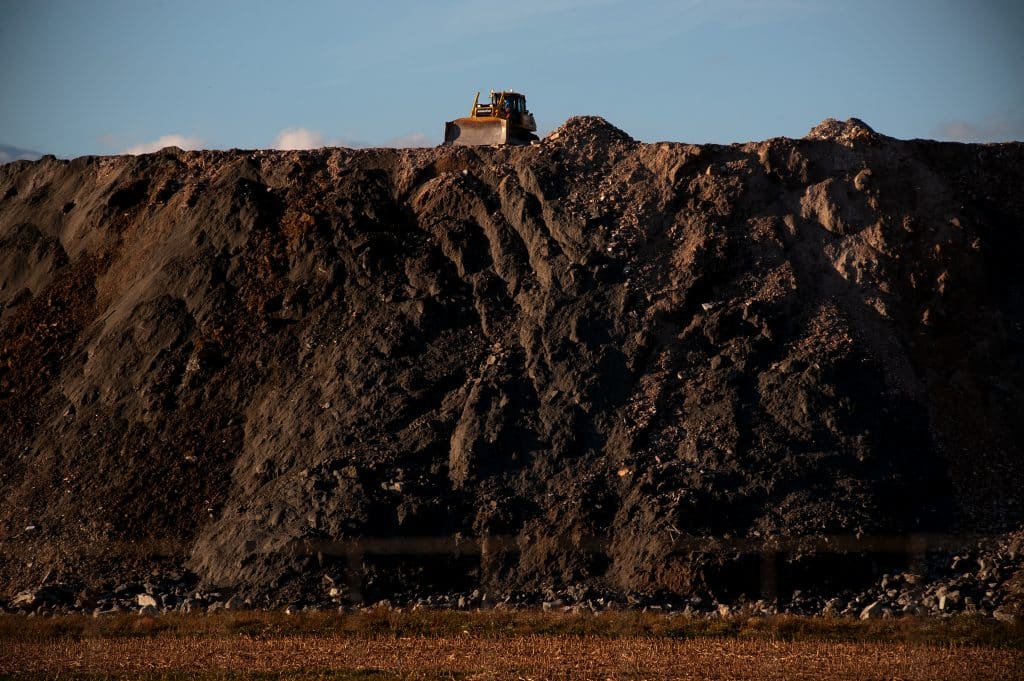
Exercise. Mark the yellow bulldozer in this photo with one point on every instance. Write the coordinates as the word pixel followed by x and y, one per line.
pixel 503 120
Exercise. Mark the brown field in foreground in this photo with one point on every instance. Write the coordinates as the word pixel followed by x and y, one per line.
pixel 525 657
pixel 396 645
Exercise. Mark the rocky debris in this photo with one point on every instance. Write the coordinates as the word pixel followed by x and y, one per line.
pixel 871 611
pixel 848 133
pixel 76 596
pixel 974 581
pixel 588 132
pixel 980 579
pixel 49 597
pixel 650 370
pixel 235 603
pixel 1007 617
pixel 23 599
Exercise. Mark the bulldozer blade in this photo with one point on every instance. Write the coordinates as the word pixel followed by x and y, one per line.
pixel 483 131
pixel 476 131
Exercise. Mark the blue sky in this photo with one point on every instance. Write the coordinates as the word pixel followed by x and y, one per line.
pixel 104 76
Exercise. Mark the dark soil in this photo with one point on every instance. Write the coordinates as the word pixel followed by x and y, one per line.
pixel 641 367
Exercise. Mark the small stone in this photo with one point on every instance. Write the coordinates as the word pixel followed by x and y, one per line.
pixel 1004 616
pixel 235 603
pixel 24 599
pixel 863 180
pixel 145 600
pixel 872 611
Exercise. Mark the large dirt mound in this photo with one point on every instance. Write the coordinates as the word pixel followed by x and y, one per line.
pixel 586 361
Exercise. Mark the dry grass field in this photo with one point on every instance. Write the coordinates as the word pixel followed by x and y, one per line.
pixel 393 645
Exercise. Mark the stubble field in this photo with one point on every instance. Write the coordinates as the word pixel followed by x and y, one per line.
pixel 497 645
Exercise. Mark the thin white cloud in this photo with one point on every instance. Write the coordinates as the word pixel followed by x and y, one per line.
pixel 295 139
pixel 993 130
pixel 413 139
pixel 9 153
pixel 299 138
pixel 180 141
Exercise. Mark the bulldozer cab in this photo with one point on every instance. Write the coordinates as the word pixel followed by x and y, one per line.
pixel 508 102
pixel 502 105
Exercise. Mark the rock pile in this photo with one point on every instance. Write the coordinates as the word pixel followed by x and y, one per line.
pixel 848 133
pixel 589 132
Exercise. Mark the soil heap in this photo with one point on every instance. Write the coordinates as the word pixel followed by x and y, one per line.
pixel 591 361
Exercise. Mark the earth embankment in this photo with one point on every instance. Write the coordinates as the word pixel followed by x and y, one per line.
pixel 593 360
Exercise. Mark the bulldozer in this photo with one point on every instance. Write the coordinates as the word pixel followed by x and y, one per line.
pixel 503 120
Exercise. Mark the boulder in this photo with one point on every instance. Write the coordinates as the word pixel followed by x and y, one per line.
pixel 24 599
pixel 1004 616
pixel 872 611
